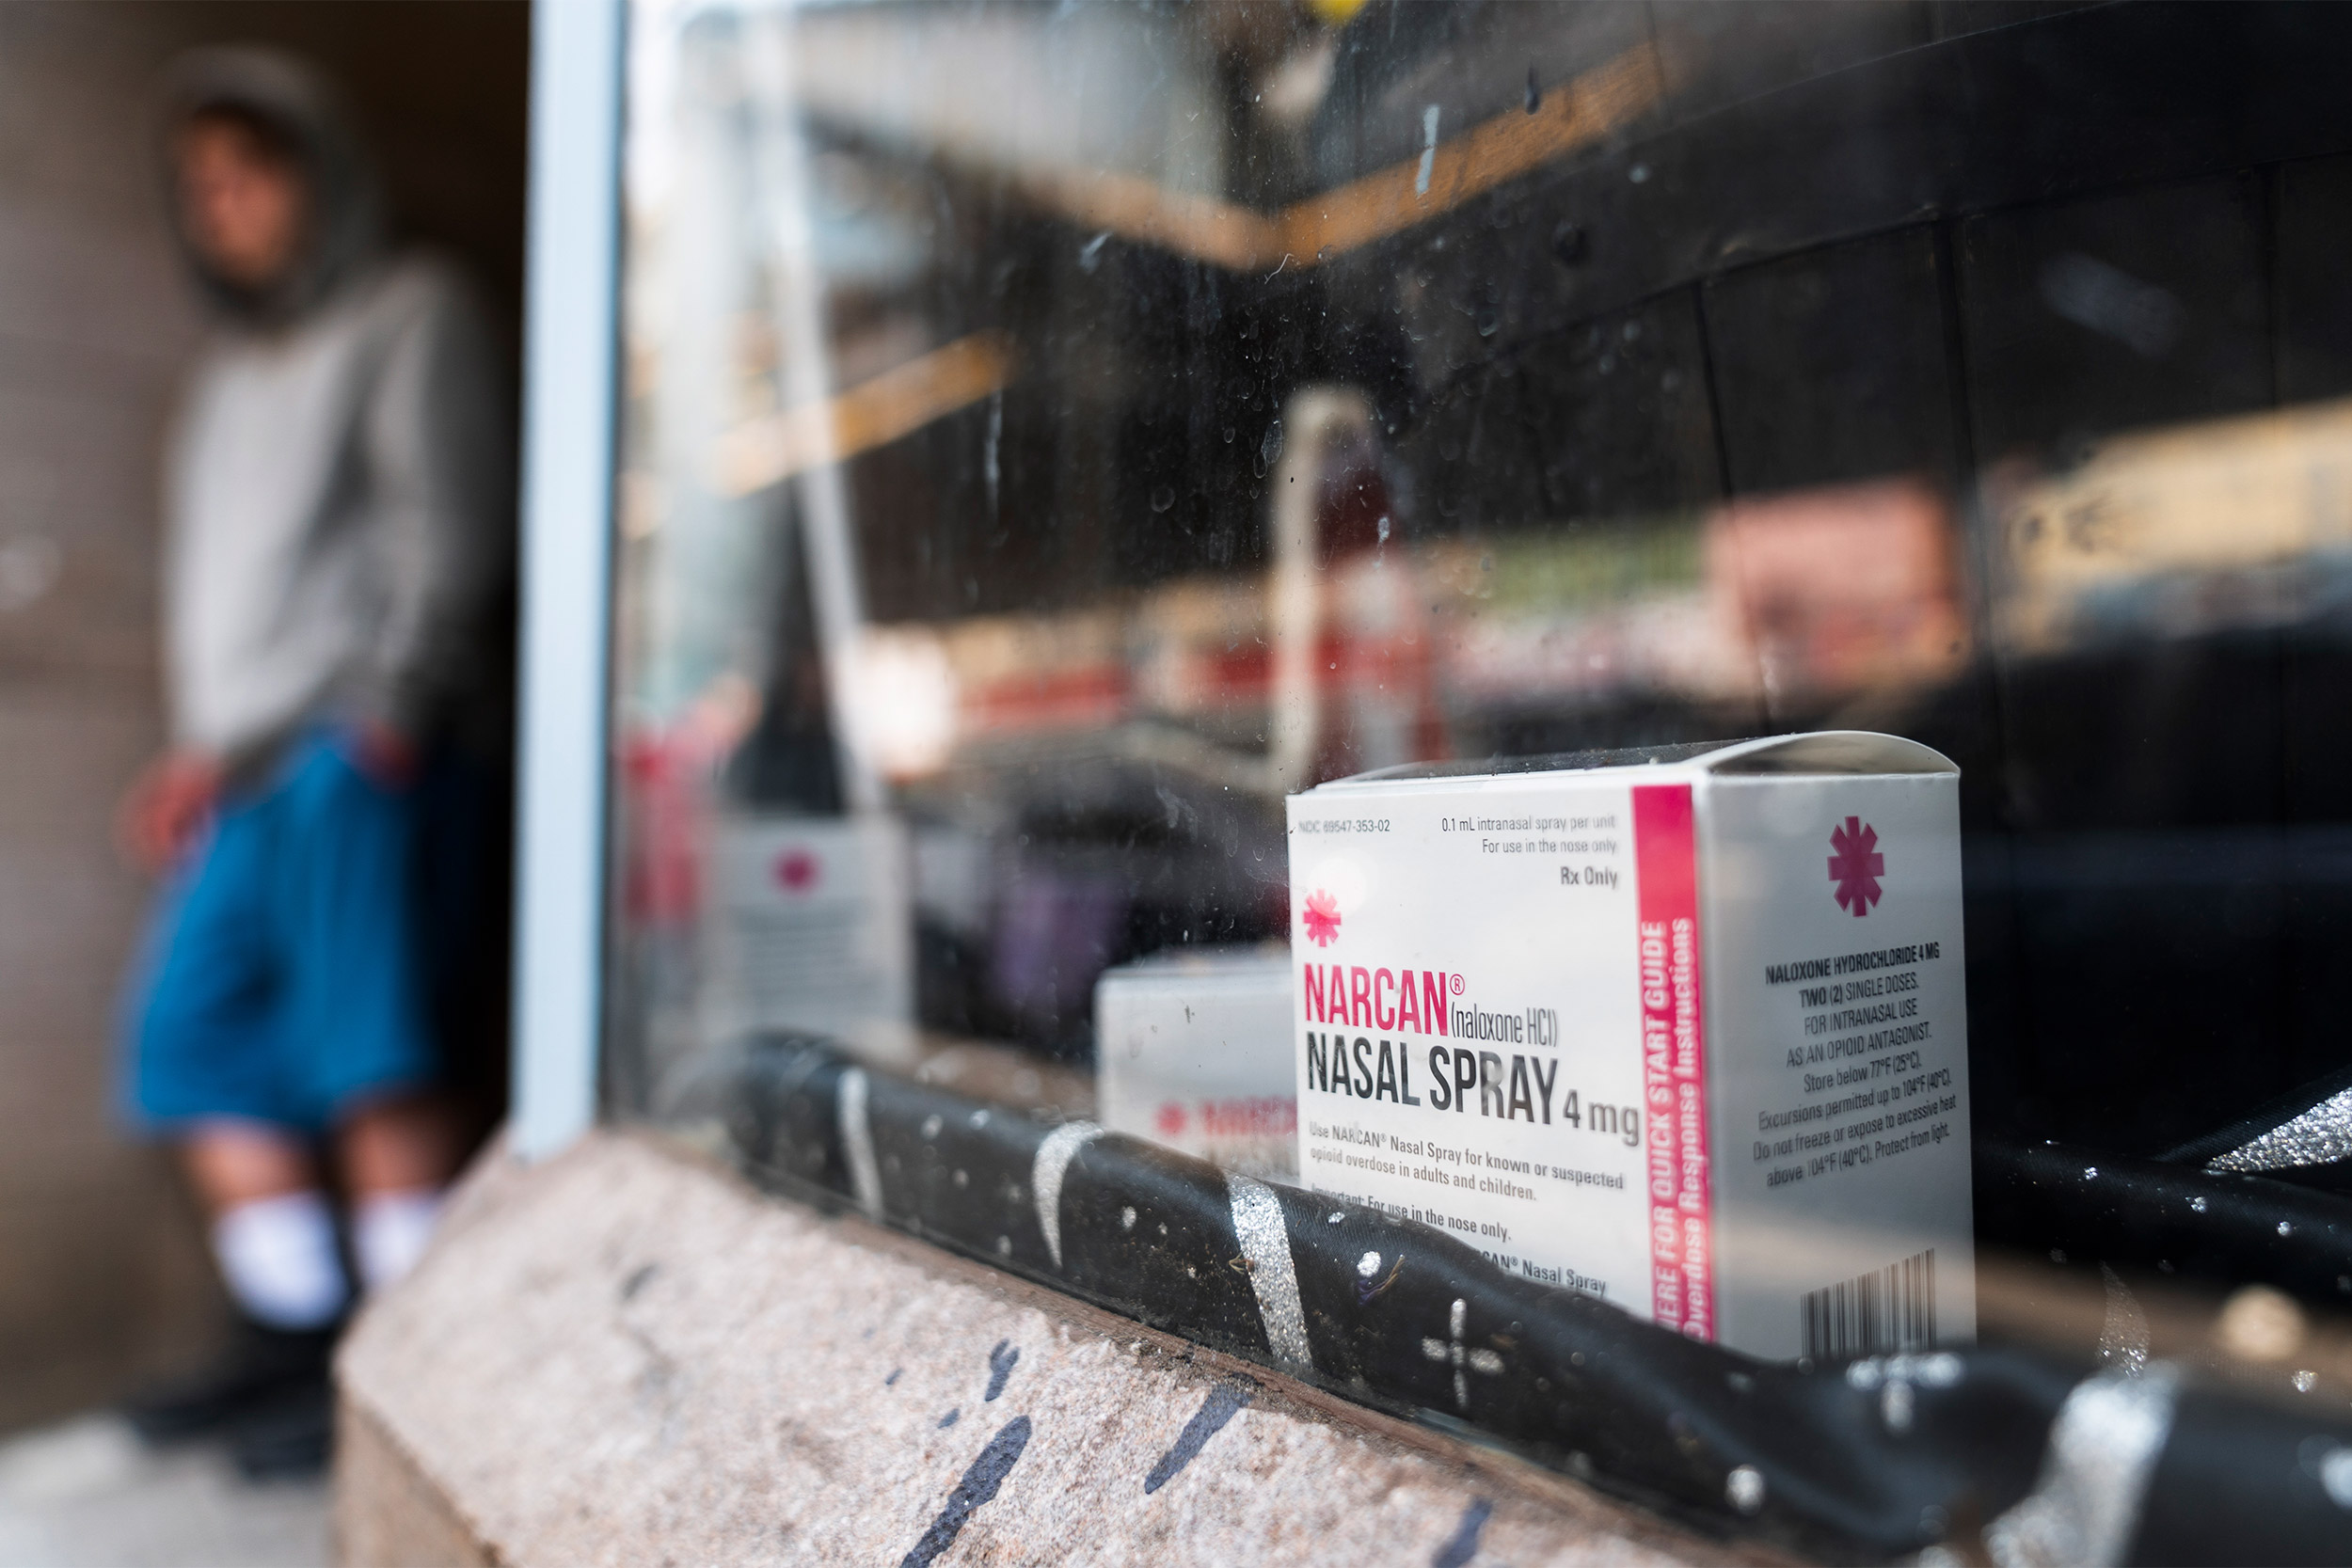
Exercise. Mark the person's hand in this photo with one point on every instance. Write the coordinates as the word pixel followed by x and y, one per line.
pixel 165 807
pixel 384 753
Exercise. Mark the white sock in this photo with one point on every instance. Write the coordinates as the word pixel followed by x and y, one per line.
pixel 278 1254
pixel 389 1233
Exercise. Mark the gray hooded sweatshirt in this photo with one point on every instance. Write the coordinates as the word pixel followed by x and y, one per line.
pixel 339 490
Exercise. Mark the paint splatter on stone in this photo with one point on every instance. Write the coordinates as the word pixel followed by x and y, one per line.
pixel 977 1487
pixel 1224 1402
pixel 1000 1362
pixel 1456 1552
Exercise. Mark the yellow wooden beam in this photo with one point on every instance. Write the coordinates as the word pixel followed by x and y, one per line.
pixel 871 414
pixel 1487 155
pixel 1333 222
pixel 1223 233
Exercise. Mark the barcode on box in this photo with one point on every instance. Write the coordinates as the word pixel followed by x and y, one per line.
pixel 1883 1311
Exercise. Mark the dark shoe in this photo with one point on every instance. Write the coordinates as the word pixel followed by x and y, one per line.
pixel 260 1365
pixel 287 1439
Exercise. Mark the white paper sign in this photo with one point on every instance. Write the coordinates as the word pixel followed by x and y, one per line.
pixel 812 927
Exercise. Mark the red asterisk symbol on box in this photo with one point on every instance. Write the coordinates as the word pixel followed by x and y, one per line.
pixel 1323 918
pixel 1857 865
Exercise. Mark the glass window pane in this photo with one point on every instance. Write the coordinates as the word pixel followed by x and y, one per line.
pixel 1058 440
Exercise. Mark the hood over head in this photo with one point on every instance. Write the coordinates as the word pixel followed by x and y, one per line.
pixel 345 229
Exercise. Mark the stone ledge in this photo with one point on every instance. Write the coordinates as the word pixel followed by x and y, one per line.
pixel 626 1356
pixel 386 1510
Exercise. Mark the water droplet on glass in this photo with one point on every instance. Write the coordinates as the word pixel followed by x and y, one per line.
pixel 1162 498
pixel 1270 449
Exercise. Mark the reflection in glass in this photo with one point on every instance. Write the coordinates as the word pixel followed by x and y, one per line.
pixel 1055 435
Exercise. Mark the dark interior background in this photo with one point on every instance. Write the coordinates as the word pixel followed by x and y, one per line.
pixel 1828 256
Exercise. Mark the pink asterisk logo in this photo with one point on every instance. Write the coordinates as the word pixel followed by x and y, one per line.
pixel 796 869
pixel 1857 865
pixel 1323 918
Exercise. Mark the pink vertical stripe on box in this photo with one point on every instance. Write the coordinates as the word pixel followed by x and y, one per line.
pixel 1674 1061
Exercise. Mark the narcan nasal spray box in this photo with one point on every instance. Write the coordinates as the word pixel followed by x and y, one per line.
pixel 1190 1051
pixel 1684 1028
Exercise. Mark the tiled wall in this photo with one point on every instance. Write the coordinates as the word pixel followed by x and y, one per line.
pixel 103 1275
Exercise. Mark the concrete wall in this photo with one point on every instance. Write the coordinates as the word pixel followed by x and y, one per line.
pixel 623 1356
pixel 105 1277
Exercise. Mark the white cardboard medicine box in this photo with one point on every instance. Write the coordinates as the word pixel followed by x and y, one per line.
pixel 1685 1029
pixel 1191 1051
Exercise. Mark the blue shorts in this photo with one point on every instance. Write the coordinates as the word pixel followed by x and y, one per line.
pixel 288 975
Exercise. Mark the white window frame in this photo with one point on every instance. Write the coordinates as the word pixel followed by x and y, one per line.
pixel 571 331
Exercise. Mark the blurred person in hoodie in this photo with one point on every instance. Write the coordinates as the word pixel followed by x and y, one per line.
pixel 338 534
